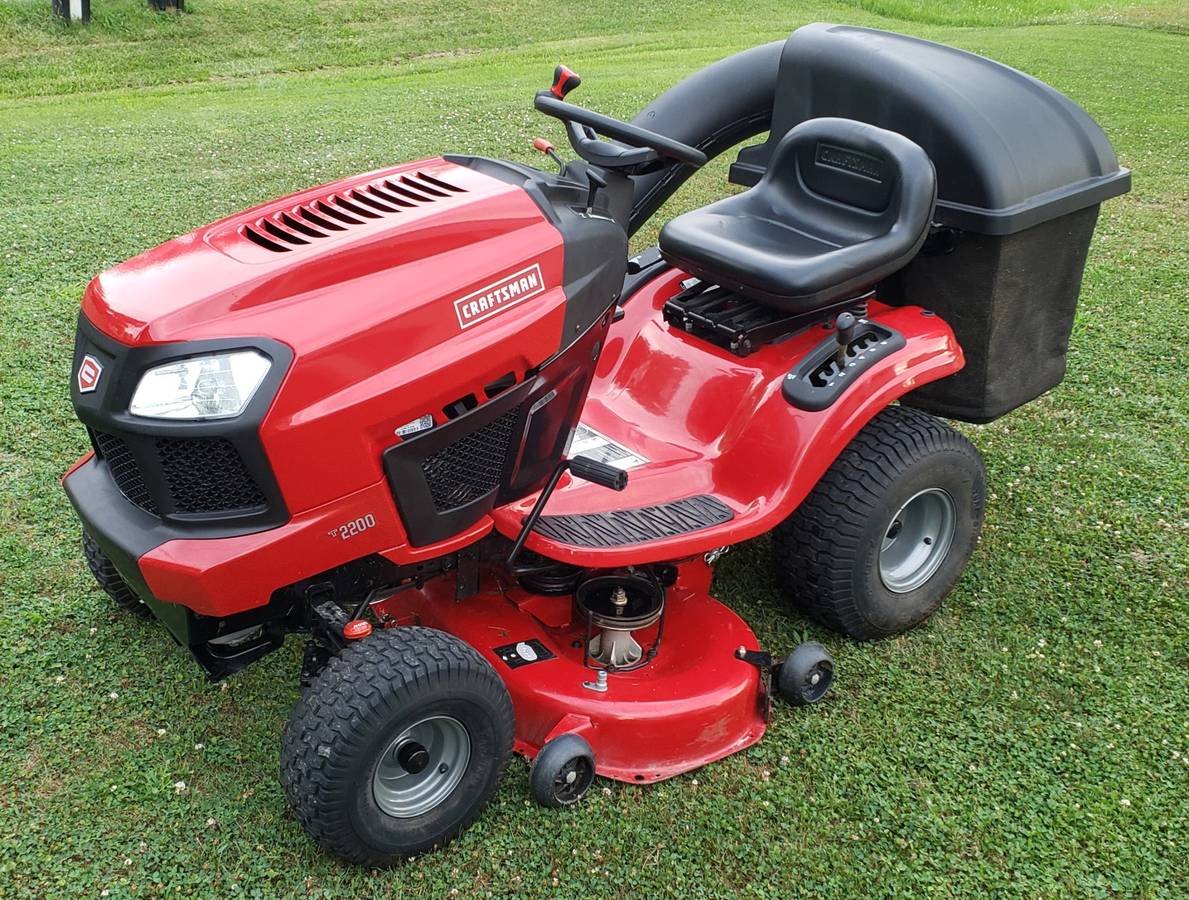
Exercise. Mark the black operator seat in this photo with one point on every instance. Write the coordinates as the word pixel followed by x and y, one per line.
pixel 842 205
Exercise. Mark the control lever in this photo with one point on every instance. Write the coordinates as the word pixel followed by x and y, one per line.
pixel 581 467
pixel 543 146
pixel 596 181
pixel 844 333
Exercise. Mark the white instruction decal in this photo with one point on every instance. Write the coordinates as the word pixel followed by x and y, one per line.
pixel 589 443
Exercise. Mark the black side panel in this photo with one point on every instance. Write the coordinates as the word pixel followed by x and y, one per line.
pixel 713 110
pixel 1011 302
pixel 596 245
pixel 448 478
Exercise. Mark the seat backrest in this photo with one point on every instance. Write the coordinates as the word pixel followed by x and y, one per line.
pixel 851 180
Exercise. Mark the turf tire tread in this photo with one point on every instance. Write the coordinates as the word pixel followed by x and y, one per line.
pixel 347 698
pixel 817 547
pixel 109 579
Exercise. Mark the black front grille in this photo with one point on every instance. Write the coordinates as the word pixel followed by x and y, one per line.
pixel 472 466
pixel 125 471
pixel 195 475
pixel 206 475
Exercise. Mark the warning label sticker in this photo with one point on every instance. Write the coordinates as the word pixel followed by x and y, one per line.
pixel 593 445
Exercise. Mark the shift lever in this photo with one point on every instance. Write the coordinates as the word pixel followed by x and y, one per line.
pixel 844 333
pixel 594 182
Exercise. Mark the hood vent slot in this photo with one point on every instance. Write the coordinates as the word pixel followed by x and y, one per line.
pixel 257 238
pixel 289 229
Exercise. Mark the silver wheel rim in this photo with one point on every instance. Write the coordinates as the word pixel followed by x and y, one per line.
pixel 421 767
pixel 917 540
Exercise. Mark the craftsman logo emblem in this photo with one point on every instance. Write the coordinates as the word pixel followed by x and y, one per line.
pixel 850 161
pixel 495 298
pixel 89 371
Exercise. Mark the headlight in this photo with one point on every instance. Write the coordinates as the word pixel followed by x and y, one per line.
pixel 203 387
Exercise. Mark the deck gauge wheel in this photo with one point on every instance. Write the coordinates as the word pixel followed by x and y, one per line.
pixel 563 771
pixel 806 675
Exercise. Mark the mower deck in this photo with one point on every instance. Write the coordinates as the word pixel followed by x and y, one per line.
pixel 694 703
pixel 722 456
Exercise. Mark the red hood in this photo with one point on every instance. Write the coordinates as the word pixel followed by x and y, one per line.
pixel 374 245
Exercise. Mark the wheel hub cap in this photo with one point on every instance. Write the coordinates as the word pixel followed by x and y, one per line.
pixel 421 766
pixel 917 540
pixel 571 781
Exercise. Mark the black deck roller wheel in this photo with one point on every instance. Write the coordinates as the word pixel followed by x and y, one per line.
pixel 396 746
pixel 806 675
pixel 109 579
pixel 884 535
pixel 563 771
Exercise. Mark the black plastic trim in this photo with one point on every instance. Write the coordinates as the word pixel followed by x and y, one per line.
pixel 106 409
pixel 596 243
pixel 799 388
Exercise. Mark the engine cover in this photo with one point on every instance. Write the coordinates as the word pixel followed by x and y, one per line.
pixel 419 292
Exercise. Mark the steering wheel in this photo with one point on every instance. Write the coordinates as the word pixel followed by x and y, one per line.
pixel 636 148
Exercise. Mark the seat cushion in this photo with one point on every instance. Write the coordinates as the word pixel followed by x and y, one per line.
pixel 842 205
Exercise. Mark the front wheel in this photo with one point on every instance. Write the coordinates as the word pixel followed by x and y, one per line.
pixel 109 579
pixel 884 535
pixel 396 746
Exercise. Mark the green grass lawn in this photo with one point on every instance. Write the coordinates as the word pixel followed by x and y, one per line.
pixel 1032 739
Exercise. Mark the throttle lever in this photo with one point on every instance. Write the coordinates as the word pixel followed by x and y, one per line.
pixel 583 467
pixel 543 146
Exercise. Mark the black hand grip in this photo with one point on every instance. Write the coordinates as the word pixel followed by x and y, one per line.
pixel 844 334
pixel 845 323
pixel 599 473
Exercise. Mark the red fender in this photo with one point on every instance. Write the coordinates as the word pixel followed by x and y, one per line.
pixel 709 422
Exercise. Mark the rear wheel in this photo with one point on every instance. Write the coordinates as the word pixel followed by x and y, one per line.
pixel 109 579
pixel 886 532
pixel 396 746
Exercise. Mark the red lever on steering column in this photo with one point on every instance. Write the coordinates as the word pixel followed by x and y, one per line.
pixel 565 80
pixel 543 146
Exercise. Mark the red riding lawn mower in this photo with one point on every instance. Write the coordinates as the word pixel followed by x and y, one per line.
pixel 434 419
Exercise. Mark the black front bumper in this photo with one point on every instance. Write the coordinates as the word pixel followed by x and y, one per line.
pixel 124 532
